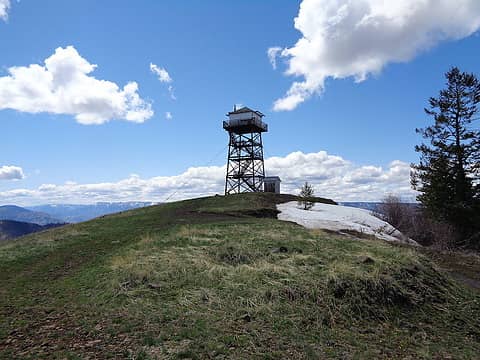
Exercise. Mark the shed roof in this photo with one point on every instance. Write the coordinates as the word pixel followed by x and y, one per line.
pixel 271 179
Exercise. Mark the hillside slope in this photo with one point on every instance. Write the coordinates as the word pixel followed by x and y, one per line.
pixel 13 229
pixel 72 213
pixel 17 213
pixel 220 278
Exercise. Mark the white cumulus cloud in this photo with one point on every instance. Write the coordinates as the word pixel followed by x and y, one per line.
pixel 332 176
pixel 357 38
pixel 63 85
pixel 4 7
pixel 11 173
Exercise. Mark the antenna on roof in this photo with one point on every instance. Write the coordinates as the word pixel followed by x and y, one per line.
pixel 234 107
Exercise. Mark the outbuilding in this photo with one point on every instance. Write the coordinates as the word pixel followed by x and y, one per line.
pixel 271 184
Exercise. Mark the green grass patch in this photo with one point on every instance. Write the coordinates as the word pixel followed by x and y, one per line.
pixel 214 278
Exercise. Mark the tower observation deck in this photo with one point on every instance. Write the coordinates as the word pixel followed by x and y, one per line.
pixel 245 168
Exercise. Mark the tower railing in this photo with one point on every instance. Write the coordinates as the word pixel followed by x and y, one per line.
pixel 228 124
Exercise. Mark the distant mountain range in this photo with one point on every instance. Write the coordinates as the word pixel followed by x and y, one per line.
pixel 372 206
pixel 17 213
pixel 71 213
pixel 12 229
pixel 77 213
pixel 17 221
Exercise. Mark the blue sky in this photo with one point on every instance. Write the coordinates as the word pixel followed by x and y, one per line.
pixel 216 54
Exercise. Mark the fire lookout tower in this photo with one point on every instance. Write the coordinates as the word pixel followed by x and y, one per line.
pixel 245 170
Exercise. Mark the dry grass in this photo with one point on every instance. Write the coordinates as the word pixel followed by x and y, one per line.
pixel 184 280
pixel 222 277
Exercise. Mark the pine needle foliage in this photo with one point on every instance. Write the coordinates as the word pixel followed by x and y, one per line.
pixel 448 174
pixel 306 196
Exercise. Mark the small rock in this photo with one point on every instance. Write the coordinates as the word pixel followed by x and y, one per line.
pixel 93 343
pixel 366 260
pixel 246 318
pixel 281 249
pixel 154 286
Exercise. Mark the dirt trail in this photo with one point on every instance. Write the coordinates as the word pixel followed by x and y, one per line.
pixel 463 267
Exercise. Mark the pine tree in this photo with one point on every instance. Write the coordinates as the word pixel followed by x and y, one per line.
pixel 306 195
pixel 447 175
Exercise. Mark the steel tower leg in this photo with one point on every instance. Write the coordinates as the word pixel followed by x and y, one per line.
pixel 245 165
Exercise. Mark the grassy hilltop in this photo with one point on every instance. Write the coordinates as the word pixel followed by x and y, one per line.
pixel 220 277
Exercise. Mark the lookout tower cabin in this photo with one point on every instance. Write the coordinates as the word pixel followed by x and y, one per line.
pixel 245 169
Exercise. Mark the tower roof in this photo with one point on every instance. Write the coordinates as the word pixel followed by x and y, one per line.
pixel 245 109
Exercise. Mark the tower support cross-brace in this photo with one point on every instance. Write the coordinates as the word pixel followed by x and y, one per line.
pixel 245 168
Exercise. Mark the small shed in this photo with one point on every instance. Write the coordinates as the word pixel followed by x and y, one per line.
pixel 271 184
